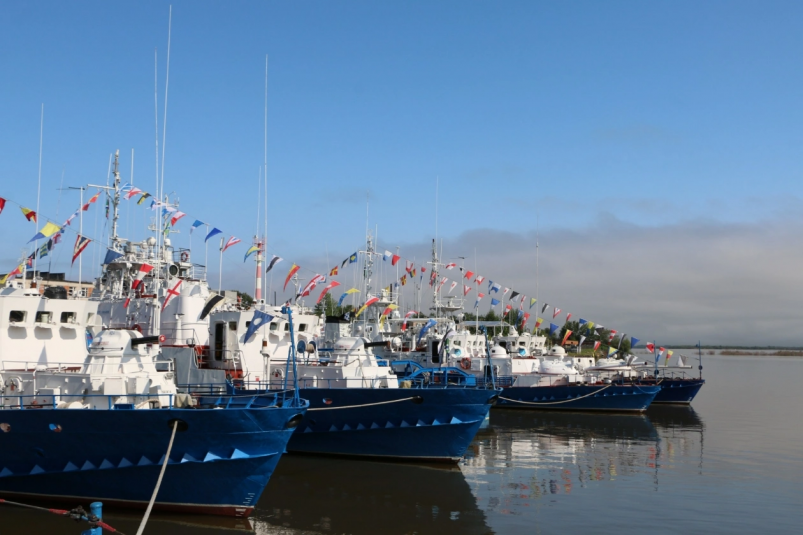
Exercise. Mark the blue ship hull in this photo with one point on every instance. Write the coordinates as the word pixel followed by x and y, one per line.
pixel 219 464
pixel 678 391
pixel 432 424
pixel 614 397
pixel 439 427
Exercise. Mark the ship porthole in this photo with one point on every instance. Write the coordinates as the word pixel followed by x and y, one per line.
pixel 5 428
pixel 182 425
pixel 418 400
pixel 327 401
pixel 492 400
pixel 293 422
pixel 56 428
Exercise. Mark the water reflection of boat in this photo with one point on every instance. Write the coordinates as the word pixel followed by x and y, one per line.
pixel 310 493
pixel 177 524
pixel 611 426
pixel 676 418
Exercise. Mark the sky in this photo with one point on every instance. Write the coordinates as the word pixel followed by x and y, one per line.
pixel 651 149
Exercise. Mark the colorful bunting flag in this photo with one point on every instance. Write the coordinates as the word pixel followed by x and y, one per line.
pixel 176 216
pixel 451 266
pixel 494 302
pixel 406 316
pixel 552 328
pixel 633 342
pixel 145 196
pixel 273 261
pixel 2 204
pixel 251 250
pixel 424 330
pixel 386 256
pixel 353 258
pixel 260 318
pixel 566 336
pixel 468 275
pixel 333 272
pixel 347 292
pixel 538 322
pixel 466 289
pixel 611 334
pixel 568 317
pixel 533 301
pixel 171 294
pixel 195 225
pixel 650 347
pixel 543 308
pixel 111 256
pixel 80 244
pixel 395 258
pixel 479 279
pixel 133 191
pixel 29 214
pixel 313 282
pixel 668 355
pixel 452 286
pixel 211 233
pixel 479 298
pixel 611 351
pixel 555 313
pixel 232 241
pixel 326 289
pixel 293 269
pixel 47 231
pixel 513 295
pixel 368 303
pixel 94 198
pixel 142 270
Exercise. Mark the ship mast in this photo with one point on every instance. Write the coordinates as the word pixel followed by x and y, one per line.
pixel 113 238
pixel 116 201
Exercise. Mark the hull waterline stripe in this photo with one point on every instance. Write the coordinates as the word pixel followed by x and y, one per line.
pixel 556 402
pixel 364 405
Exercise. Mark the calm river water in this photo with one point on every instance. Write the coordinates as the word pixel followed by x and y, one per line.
pixel 731 464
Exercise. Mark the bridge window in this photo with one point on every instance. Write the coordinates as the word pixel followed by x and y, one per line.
pixel 17 316
pixel 68 317
pixel 302 327
pixel 43 317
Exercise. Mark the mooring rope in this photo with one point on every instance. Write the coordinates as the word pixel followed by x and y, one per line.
pixel 76 514
pixel 363 405
pixel 158 481
pixel 556 402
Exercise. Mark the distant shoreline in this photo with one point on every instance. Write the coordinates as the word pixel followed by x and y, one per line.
pixel 744 352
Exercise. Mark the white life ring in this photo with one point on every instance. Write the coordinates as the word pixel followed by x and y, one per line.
pixel 185 256
pixel 465 363
pixel 277 373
